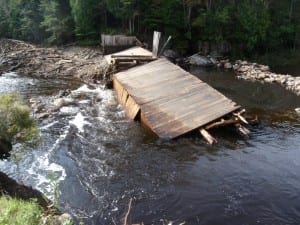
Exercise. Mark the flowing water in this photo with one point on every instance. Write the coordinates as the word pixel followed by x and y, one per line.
pixel 97 160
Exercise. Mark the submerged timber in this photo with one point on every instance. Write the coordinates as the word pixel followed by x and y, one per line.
pixel 171 101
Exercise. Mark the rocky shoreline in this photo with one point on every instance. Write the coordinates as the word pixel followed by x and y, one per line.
pixel 257 72
pixel 249 71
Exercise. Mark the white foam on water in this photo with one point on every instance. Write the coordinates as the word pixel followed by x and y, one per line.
pixel 10 74
pixel 68 110
pixel 106 95
pixel 44 171
pixel 79 121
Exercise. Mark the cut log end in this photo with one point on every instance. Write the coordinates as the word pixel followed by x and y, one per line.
pixel 208 137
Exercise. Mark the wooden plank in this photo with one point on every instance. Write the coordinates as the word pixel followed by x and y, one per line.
pixel 124 97
pixel 155 71
pixel 192 117
pixel 130 52
pixel 132 108
pixel 118 88
pixel 172 102
pixel 164 89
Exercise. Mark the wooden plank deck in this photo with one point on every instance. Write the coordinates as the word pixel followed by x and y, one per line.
pixel 171 101
pixel 131 52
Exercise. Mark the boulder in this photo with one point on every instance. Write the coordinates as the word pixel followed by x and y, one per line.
pixel 199 60
pixel 171 54
pixel 228 65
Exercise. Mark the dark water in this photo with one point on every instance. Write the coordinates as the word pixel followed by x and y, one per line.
pixel 293 70
pixel 99 160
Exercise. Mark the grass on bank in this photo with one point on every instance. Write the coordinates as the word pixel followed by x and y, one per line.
pixel 19 212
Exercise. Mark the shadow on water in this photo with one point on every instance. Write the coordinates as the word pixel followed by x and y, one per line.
pixel 101 159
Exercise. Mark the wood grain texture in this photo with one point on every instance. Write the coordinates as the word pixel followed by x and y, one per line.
pixel 172 101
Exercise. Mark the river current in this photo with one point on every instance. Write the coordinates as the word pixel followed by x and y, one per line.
pixel 93 160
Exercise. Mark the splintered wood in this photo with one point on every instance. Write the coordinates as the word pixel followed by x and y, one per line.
pixel 173 102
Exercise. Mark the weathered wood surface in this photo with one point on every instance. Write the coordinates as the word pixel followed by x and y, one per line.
pixel 172 101
pixel 156 39
pixel 131 53
pixel 118 40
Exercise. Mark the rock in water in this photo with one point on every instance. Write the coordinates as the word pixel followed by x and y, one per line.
pixel 171 54
pixel 199 60
pixel 228 65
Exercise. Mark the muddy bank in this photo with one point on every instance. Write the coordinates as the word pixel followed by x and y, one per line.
pixel 27 59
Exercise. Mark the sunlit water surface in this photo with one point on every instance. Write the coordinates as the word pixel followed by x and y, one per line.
pixel 97 159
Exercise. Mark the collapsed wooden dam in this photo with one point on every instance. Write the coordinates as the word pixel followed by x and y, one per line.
pixel 169 100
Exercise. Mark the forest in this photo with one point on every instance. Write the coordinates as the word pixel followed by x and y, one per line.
pixel 247 27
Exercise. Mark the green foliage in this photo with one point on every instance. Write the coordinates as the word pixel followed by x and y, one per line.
pixel 30 20
pixel 85 14
pixel 250 26
pixel 213 25
pixel 16 125
pixel 19 212
pixel 57 21
pixel 4 19
pixel 253 21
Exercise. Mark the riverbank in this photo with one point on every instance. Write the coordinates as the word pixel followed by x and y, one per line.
pixel 249 71
pixel 21 204
pixel 262 73
pixel 23 58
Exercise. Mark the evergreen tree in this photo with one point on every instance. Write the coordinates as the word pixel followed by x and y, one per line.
pixel 30 19
pixel 86 14
pixel 4 19
pixel 57 20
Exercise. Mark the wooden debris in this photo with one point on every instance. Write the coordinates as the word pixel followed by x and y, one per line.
pixel 241 117
pixel 128 212
pixel 210 139
pixel 243 130
pixel 222 122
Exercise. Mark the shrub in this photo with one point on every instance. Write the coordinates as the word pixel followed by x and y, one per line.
pixel 16 125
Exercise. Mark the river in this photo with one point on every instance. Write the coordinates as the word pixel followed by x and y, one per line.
pixel 93 159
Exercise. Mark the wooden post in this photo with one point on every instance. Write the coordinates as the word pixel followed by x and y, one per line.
pixel 156 38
